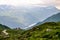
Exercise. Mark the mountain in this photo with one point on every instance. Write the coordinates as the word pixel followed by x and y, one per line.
pixel 53 18
pixel 43 12
pixel 10 22
pixel 24 17
pixel 13 17
pixel 3 27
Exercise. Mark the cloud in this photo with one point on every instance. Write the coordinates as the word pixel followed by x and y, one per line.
pixel 20 2
pixel 57 3
pixel 31 2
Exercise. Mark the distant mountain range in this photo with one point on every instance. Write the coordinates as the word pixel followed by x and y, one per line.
pixel 53 18
pixel 8 21
pixel 24 17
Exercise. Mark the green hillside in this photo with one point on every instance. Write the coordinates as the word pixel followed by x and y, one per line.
pixel 3 27
pixel 46 31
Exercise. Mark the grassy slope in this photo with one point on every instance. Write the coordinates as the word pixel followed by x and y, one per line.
pixel 3 27
pixel 37 33
pixel 40 32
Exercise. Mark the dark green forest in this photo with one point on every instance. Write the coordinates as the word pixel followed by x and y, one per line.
pixel 45 31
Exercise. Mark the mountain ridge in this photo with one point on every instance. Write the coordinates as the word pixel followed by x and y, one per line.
pixel 27 16
pixel 2 27
pixel 53 18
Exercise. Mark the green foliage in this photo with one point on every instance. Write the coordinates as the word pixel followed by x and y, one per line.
pixel 46 31
pixel 3 27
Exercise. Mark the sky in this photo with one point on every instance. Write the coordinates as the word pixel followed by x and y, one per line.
pixel 31 2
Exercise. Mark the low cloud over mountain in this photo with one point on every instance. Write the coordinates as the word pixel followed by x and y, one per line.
pixel 24 15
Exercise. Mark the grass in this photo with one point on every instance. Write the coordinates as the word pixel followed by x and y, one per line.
pixel 46 31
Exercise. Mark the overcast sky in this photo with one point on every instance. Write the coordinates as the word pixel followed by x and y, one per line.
pixel 31 2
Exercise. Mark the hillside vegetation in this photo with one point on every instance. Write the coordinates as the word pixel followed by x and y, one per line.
pixel 3 27
pixel 46 31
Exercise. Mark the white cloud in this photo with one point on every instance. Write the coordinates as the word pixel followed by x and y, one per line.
pixel 20 2
pixel 57 4
pixel 31 2
pixel 26 2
